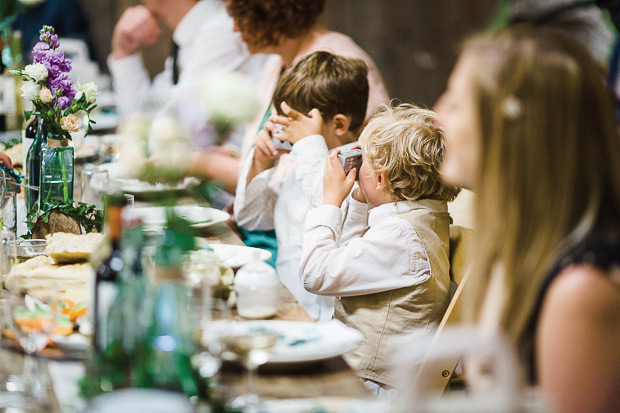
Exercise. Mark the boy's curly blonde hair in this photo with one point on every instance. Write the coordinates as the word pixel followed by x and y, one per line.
pixel 405 142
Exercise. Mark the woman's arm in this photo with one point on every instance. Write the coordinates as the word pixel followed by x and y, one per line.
pixel 578 342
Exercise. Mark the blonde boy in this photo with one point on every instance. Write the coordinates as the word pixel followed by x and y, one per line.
pixel 277 189
pixel 384 256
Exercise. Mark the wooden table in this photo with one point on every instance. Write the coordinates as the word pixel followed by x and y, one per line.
pixel 325 378
pixel 331 377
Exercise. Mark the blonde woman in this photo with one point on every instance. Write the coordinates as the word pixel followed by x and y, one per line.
pixel 531 128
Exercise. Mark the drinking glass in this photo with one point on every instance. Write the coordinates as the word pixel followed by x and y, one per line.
pixel 8 201
pixel 252 349
pixel 32 333
pixel 28 248
pixel 8 252
pixel 93 184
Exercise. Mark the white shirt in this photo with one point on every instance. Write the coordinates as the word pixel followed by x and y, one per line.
pixel 370 252
pixel 206 42
pixel 279 198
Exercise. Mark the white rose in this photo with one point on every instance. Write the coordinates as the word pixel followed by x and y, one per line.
pixel 131 156
pixel 89 90
pixel 136 127
pixel 167 132
pixel 229 97
pixel 70 123
pixel 46 95
pixel 30 90
pixel 36 71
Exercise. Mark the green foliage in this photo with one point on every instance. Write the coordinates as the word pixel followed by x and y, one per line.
pixel 11 142
pixel 88 216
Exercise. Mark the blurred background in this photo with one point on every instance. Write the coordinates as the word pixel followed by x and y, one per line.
pixel 414 42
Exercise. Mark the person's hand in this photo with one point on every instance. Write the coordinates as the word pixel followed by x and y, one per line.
pixel 136 27
pixel 297 126
pixel 265 152
pixel 5 160
pixel 336 185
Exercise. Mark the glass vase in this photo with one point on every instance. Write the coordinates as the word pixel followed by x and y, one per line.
pixel 56 182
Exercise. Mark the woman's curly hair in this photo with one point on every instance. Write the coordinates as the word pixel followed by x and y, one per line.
pixel 264 22
pixel 405 142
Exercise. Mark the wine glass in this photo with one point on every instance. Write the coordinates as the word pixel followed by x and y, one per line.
pixel 252 349
pixel 32 323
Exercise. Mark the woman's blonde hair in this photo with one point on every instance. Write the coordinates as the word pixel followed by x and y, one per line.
pixel 405 142
pixel 549 170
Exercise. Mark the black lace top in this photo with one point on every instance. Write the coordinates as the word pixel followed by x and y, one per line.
pixel 601 251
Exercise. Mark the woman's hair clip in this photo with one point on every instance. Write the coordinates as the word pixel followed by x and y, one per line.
pixel 511 107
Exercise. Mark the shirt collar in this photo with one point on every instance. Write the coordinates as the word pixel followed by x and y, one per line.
pixel 189 26
pixel 381 212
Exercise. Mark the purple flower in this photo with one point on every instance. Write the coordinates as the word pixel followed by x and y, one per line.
pixel 40 47
pixel 49 38
pixel 63 102
pixel 62 87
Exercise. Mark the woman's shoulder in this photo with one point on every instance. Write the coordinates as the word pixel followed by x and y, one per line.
pixel 337 43
pixel 583 290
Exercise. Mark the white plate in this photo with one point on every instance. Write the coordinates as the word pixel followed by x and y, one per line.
pixel 236 256
pixel 136 186
pixel 198 216
pixel 298 341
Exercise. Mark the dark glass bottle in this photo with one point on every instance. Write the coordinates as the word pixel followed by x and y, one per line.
pixel 3 90
pixel 33 161
pixel 107 274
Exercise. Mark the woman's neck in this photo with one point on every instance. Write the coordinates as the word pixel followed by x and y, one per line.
pixel 291 49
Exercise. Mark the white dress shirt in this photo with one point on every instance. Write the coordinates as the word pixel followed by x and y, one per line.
pixel 206 42
pixel 279 198
pixel 370 252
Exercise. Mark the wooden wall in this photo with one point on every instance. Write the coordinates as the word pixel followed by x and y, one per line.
pixel 414 42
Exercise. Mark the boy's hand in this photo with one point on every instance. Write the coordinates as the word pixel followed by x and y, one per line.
pixel 336 186
pixel 296 126
pixel 265 153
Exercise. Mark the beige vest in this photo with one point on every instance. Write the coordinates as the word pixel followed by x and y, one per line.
pixel 382 317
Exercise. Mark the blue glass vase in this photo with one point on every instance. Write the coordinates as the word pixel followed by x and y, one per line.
pixel 56 182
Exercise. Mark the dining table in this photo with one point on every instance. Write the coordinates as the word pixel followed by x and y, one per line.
pixel 319 379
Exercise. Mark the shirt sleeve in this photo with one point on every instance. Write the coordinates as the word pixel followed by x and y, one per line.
pixel 389 256
pixel 355 222
pixel 133 92
pixel 254 203
pixel 309 154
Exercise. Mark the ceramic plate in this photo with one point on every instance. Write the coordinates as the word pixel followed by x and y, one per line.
pixel 236 256
pixel 198 216
pixel 136 186
pixel 297 341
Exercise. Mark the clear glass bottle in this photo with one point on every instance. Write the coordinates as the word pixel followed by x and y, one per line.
pixel 56 181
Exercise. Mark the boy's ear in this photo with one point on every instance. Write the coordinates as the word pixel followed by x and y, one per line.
pixel 341 124
pixel 381 180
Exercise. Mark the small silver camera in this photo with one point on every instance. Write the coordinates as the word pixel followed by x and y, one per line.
pixel 351 158
pixel 282 145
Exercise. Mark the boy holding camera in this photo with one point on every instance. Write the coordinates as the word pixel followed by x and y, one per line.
pixel 277 187
pixel 384 255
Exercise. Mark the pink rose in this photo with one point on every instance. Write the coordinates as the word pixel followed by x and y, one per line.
pixel 70 123
pixel 46 95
